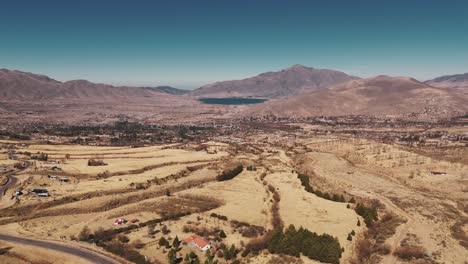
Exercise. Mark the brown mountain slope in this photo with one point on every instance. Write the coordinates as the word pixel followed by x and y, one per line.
pixel 379 96
pixel 291 81
pixel 450 81
pixel 30 97
pixel 21 86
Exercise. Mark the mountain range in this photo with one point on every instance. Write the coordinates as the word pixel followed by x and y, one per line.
pixel 18 85
pixel 450 81
pixel 378 96
pixel 297 91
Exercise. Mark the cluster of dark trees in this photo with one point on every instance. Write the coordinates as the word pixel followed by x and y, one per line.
pixel 40 156
pixel 230 253
pixel 121 132
pixel 228 175
pixel 293 242
pixel 368 213
pixel 305 181
pixel 13 135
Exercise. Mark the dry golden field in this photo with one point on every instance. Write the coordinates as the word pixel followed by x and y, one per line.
pixel 173 191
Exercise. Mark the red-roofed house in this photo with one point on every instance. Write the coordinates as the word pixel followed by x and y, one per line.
pixel 197 242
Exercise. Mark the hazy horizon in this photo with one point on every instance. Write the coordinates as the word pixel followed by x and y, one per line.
pixel 191 44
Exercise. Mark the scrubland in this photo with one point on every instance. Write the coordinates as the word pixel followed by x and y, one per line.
pixel 175 191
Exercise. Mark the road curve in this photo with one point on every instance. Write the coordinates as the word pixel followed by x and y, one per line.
pixel 86 254
pixel 11 179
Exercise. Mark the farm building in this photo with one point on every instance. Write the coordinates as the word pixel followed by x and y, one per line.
pixel 197 242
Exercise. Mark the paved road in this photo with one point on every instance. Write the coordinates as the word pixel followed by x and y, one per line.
pixel 12 180
pixel 86 254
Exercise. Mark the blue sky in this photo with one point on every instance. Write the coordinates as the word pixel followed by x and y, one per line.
pixel 194 42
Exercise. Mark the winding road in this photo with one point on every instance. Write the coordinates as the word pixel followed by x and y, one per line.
pixel 86 254
pixel 12 180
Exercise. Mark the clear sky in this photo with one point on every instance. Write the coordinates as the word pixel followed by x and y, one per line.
pixel 190 43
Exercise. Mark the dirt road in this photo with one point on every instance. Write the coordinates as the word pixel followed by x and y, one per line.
pixel 86 254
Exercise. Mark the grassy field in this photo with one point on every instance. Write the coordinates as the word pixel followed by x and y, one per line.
pixel 173 190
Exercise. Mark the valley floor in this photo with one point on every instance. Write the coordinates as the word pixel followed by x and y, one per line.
pixel 172 192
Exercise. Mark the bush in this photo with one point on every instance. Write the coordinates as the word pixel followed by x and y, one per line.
pixel 85 234
pixel 96 162
pixel 221 217
pixel 125 251
pixel 364 249
pixel 258 244
pixel 368 213
pixel 222 234
pixel 410 252
pixel 164 243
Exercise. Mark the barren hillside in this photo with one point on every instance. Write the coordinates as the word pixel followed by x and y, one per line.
pixel 450 81
pixel 291 81
pixel 379 96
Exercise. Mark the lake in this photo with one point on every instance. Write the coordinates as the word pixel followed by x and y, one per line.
pixel 232 101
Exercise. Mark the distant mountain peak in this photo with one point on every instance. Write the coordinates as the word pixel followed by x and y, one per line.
pixel 450 81
pixel 298 67
pixel 283 83
pixel 377 96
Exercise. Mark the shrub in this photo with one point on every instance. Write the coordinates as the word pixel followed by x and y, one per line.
pixel 221 217
pixel 138 244
pixel 409 252
pixel 123 238
pixel 368 213
pixel 96 162
pixel 222 234
pixel 164 243
pixel 85 234
pixel 364 249
pixel 125 251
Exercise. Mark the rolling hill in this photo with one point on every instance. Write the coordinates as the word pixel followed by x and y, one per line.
pixel 291 81
pixel 169 90
pixel 20 86
pixel 450 81
pixel 378 96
